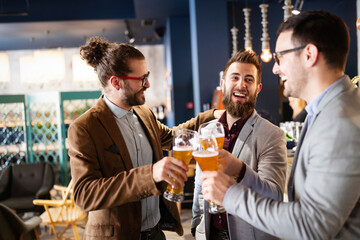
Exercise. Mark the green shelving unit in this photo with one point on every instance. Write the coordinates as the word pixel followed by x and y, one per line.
pixel 34 127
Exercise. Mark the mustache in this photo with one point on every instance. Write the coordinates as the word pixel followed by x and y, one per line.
pixel 242 91
pixel 143 89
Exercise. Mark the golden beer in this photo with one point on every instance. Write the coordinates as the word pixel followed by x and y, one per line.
pixel 206 142
pixel 220 141
pixel 207 160
pixel 184 154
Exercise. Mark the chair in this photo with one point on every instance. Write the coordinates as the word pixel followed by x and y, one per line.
pixel 20 184
pixel 62 212
pixel 13 227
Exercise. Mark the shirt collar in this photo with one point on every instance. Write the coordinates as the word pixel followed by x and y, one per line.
pixel 312 107
pixel 239 122
pixel 117 111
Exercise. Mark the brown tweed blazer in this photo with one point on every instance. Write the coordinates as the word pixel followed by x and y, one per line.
pixel 106 184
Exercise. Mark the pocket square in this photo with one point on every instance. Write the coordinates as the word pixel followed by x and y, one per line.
pixel 113 149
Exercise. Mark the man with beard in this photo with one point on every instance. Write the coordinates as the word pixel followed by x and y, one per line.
pixel 115 150
pixel 259 145
pixel 324 194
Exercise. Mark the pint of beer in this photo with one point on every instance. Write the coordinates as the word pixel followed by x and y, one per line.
pixel 183 146
pixel 212 128
pixel 184 154
pixel 219 140
pixel 207 160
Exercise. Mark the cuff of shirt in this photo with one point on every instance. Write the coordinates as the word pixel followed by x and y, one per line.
pixel 241 174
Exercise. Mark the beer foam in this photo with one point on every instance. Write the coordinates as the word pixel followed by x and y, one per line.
pixel 183 148
pixel 205 154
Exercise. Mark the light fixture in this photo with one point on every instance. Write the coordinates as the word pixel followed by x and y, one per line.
pixel 50 65
pixel 28 69
pixel 287 9
pixel 42 66
pixel 234 31
pixel 128 34
pixel 4 68
pixel 265 45
pixel 82 72
pixel 298 7
pixel 247 38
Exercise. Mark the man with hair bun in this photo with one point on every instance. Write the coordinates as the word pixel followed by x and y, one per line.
pixel 115 150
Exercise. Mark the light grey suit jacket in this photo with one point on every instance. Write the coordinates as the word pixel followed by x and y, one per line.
pixel 262 147
pixel 326 179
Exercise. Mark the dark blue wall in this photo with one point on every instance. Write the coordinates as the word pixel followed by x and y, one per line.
pixel 209 48
pixel 215 53
pixel 268 100
pixel 178 64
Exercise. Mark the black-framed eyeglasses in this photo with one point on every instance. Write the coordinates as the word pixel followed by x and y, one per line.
pixel 276 55
pixel 142 79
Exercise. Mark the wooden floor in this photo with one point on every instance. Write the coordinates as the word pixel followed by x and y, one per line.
pixel 185 219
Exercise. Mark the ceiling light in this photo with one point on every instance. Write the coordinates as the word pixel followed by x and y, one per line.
pixel 265 44
pixel 234 30
pixel 4 67
pixel 42 66
pixel 247 38
pixel 298 6
pixel 128 34
pixel 287 9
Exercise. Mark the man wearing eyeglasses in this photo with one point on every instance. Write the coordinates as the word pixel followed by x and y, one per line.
pixel 323 189
pixel 115 151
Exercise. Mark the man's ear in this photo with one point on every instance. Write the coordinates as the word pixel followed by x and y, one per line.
pixel 312 54
pixel 116 82
pixel 258 89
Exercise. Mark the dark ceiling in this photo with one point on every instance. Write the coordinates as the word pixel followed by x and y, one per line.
pixel 36 24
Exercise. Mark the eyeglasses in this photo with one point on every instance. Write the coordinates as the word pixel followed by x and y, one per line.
pixel 142 79
pixel 276 55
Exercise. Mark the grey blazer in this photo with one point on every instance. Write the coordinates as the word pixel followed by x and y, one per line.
pixel 325 192
pixel 262 147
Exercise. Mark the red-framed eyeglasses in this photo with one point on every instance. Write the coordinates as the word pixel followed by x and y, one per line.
pixel 142 79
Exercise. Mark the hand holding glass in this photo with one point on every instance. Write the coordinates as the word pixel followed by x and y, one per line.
pixel 217 130
pixel 183 146
pixel 207 156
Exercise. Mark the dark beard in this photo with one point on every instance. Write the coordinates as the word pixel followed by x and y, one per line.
pixel 238 109
pixel 133 99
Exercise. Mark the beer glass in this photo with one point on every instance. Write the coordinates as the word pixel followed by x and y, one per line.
pixel 213 128
pixel 183 146
pixel 207 156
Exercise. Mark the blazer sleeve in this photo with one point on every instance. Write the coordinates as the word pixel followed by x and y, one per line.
pixel 101 179
pixel 270 176
pixel 327 200
pixel 166 134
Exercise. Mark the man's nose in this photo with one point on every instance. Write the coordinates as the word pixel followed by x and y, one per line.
pixel 275 69
pixel 147 83
pixel 241 83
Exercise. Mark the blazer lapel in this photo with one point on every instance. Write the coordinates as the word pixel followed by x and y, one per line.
pixel 341 86
pixel 291 189
pixel 107 119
